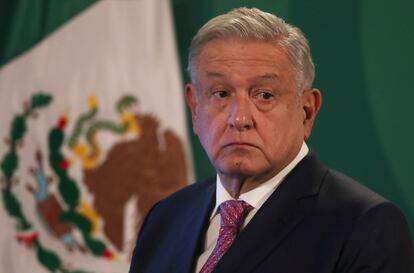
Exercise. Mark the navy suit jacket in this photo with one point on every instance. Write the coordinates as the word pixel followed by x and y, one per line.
pixel 317 221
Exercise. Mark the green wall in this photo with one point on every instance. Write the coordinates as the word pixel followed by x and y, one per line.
pixel 363 52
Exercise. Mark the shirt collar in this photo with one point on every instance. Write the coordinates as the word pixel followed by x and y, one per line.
pixel 257 196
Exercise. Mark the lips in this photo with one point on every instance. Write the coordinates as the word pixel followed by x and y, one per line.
pixel 239 144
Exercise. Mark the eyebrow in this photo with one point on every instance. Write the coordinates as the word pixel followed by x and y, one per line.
pixel 266 76
pixel 215 75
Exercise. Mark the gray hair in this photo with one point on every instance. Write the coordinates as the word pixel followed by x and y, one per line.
pixel 254 24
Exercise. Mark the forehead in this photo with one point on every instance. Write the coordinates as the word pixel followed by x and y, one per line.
pixel 244 58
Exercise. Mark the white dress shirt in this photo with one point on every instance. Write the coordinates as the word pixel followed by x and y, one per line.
pixel 256 198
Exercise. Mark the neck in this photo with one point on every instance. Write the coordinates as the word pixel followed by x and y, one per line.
pixel 239 184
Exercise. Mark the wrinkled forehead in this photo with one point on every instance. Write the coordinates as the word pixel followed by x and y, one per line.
pixel 249 58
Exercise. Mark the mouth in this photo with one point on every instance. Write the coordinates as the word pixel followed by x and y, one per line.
pixel 239 145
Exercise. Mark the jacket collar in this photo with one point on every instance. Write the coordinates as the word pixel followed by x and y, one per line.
pixel 194 228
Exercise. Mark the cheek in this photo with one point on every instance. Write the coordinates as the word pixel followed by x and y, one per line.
pixel 281 128
pixel 206 126
pixel 210 129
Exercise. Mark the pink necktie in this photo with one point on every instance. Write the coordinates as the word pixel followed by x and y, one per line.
pixel 232 214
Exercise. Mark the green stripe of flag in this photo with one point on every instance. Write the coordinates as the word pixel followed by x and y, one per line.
pixel 25 23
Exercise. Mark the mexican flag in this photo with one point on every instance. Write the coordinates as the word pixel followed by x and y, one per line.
pixel 92 129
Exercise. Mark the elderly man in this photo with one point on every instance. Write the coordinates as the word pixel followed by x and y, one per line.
pixel 273 207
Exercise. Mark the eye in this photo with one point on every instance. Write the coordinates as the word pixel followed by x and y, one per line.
pixel 264 95
pixel 221 94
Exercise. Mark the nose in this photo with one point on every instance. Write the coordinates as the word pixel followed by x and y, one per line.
pixel 240 116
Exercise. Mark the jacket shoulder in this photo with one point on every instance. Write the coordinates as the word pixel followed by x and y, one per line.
pixel 187 193
pixel 342 193
pixel 377 236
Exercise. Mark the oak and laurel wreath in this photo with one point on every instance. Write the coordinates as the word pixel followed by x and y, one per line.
pixel 70 192
pixel 67 187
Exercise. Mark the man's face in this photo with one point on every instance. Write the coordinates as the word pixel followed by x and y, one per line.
pixel 246 108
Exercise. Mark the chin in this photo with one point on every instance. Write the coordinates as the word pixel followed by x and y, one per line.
pixel 239 168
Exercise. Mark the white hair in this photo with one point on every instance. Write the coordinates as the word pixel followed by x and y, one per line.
pixel 253 24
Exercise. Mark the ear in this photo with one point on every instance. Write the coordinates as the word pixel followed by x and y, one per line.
pixel 311 103
pixel 190 95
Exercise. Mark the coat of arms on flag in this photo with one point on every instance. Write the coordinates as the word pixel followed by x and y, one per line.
pixel 135 166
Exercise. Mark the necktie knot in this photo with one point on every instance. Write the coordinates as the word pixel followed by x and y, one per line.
pixel 232 213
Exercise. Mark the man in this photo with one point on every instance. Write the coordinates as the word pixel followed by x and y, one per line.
pixel 273 207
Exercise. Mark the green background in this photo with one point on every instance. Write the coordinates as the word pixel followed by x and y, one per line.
pixel 363 52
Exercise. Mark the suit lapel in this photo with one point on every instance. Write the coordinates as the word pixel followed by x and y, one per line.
pixel 193 230
pixel 276 219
